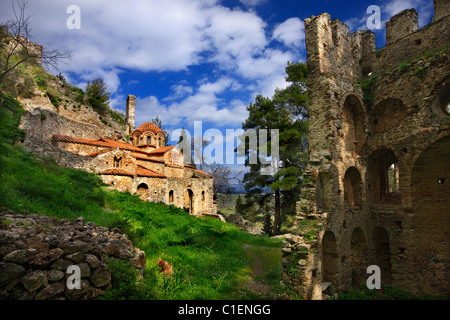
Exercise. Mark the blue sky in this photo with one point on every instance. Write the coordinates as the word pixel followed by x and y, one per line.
pixel 192 60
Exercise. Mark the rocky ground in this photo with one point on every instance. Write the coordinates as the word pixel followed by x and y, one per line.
pixel 36 252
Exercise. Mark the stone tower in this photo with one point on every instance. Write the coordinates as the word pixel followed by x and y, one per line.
pixel 377 183
pixel 131 108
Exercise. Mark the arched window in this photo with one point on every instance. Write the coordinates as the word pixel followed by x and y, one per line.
pixel 353 124
pixel 352 187
pixel 203 197
pixel 385 177
pixel 149 139
pixel 159 142
pixel 136 139
pixel 388 114
pixel 117 162
pixel 171 197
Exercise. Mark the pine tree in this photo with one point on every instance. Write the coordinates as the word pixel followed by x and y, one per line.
pixel 287 112
pixel 98 97
pixel 239 207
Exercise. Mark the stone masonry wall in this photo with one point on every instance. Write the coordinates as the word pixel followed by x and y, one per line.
pixel 378 167
pixel 36 252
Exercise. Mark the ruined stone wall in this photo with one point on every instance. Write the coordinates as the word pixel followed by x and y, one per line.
pixel 62 157
pixel 43 124
pixel 377 117
pixel 36 252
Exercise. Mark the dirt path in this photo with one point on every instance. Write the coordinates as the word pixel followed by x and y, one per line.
pixel 266 271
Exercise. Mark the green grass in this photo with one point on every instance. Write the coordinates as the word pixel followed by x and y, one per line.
pixel 208 256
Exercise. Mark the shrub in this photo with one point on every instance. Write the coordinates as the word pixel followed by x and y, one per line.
pixel 97 95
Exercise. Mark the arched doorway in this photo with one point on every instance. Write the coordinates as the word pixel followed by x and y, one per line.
pixel 329 258
pixel 358 251
pixel 382 253
pixel 189 201
pixel 430 184
pixel 142 191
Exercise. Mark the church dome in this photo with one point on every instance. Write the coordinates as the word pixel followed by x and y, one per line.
pixel 148 126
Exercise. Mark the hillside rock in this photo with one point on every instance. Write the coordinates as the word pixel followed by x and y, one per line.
pixel 247 226
pixel 36 252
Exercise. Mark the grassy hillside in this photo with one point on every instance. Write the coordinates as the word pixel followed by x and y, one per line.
pixel 211 259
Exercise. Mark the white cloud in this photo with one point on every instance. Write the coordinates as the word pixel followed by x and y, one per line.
pixel 291 32
pixel 424 9
pixel 252 3
pixel 389 9
pixel 202 105
pixel 179 91
pixel 154 35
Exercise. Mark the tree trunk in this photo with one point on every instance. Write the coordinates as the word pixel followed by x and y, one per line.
pixel 277 216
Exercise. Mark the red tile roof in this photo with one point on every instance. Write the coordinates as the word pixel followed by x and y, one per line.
pixel 102 142
pixel 116 172
pixel 204 173
pixel 144 158
pixel 188 166
pixel 161 150
pixel 93 155
pixel 148 126
pixel 145 172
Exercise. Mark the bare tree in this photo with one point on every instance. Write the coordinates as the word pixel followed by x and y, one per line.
pixel 223 175
pixel 18 46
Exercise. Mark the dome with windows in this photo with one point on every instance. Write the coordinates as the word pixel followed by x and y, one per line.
pixel 148 134
pixel 147 126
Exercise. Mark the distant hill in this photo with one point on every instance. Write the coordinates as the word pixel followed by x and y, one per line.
pixel 239 188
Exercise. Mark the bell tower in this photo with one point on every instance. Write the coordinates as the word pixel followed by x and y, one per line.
pixel 131 106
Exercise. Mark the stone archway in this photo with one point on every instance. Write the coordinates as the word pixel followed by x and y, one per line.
pixel 430 249
pixel 382 253
pixel 388 114
pixel 352 188
pixel 354 124
pixel 358 254
pixel 384 177
pixel 330 258
pixel 189 201
pixel 171 196
pixel 142 191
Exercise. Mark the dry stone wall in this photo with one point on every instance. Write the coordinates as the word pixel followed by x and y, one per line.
pixel 36 252
pixel 43 124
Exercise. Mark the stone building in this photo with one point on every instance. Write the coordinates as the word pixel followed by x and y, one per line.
pixel 378 180
pixel 145 166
